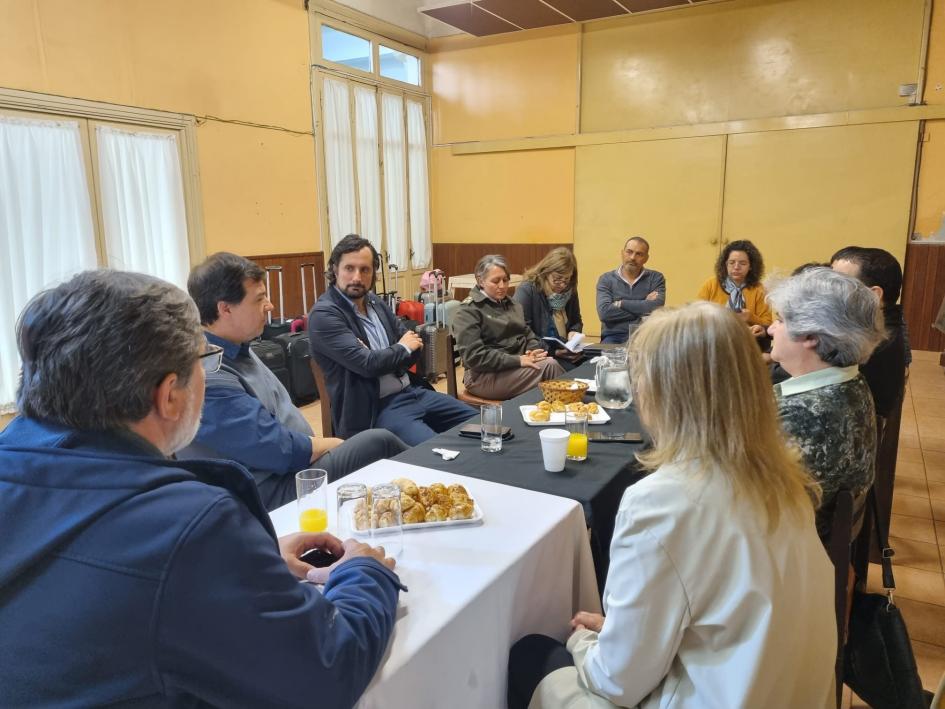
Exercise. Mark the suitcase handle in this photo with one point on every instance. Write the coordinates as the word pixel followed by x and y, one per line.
pixel 302 268
pixel 277 269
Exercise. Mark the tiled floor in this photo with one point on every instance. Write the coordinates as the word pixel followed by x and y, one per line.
pixel 917 528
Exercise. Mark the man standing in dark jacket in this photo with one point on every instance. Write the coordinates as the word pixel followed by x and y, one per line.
pixel 128 577
pixel 365 352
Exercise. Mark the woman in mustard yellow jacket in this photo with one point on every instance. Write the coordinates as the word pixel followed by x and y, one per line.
pixel 737 284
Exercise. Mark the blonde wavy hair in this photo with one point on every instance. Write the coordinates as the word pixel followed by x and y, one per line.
pixel 705 397
pixel 559 260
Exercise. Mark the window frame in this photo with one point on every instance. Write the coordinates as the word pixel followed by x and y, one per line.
pixel 375 39
pixel 89 113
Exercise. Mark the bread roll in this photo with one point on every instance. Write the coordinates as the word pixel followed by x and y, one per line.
pixel 415 515
pixel 437 513
pixel 408 487
pixel 457 488
pixel 463 510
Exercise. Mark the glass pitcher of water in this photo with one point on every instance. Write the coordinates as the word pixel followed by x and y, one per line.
pixel 613 380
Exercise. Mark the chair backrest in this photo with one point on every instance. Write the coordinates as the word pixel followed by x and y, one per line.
pixel 328 429
pixel 451 366
pixel 838 549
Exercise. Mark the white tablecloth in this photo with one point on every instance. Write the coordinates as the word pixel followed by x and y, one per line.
pixel 474 590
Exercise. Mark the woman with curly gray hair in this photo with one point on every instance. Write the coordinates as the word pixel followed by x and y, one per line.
pixel 827 325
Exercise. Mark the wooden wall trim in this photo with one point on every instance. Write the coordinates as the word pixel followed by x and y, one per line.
pixel 923 289
pixel 459 259
pixel 292 283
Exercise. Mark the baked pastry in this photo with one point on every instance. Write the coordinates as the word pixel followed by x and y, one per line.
pixel 426 496
pixel 406 502
pixel 408 487
pixel 544 405
pixel 457 498
pixel 438 488
pixel 455 487
pixel 540 415
pixel 415 515
pixel 387 519
pixel 591 408
pixel 463 510
pixel 557 407
pixel 437 513
pixel 384 505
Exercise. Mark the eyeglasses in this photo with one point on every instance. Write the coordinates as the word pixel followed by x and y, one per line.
pixel 559 280
pixel 211 359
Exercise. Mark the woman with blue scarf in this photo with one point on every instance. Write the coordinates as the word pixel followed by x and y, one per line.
pixel 549 298
pixel 737 284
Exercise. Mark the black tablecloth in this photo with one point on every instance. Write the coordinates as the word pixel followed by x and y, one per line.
pixel 597 483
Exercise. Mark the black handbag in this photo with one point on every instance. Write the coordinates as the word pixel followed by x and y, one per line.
pixel 878 661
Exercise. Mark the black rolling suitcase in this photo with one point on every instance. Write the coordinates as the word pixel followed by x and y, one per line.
pixel 435 358
pixel 275 326
pixel 272 355
pixel 301 385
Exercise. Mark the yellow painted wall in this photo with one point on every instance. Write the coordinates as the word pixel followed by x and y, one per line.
pixel 246 61
pixel 505 87
pixel 800 195
pixel 748 59
pixel 930 200
pixel 668 191
pixel 518 197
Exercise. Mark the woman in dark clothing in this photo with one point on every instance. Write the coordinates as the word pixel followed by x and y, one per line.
pixel 549 298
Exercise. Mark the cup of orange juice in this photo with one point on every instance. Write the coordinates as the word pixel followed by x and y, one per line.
pixel 310 487
pixel 576 423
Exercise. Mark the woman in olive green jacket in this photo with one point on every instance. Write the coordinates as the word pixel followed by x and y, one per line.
pixel 502 356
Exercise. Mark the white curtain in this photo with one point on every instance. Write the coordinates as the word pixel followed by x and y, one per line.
pixel 368 160
pixel 418 186
pixel 339 167
pixel 395 191
pixel 46 232
pixel 142 194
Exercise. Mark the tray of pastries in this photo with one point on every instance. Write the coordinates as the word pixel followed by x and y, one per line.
pixel 422 507
pixel 546 413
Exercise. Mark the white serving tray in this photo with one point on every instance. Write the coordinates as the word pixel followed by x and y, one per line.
pixel 557 417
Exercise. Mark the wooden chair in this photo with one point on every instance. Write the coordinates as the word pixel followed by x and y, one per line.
pixel 451 387
pixel 839 550
pixel 328 429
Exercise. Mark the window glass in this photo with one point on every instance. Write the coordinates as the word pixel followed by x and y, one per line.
pixel 399 65
pixel 348 49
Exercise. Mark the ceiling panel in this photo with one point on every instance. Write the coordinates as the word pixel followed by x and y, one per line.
pixel 470 18
pixel 581 10
pixel 645 5
pixel 527 14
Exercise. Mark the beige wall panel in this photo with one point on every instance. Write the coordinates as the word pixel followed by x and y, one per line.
pixel 935 77
pixel 668 191
pixel 930 204
pixel 801 195
pixel 521 197
pixel 748 59
pixel 242 60
pixel 523 85
pixel 258 190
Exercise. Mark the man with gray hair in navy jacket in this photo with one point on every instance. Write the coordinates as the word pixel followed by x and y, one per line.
pixel 129 577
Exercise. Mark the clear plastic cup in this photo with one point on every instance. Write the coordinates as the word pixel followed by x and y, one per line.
pixel 310 489
pixel 490 416
pixel 576 423
pixel 387 527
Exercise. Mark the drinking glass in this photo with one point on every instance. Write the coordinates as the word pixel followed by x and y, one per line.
pixel 387 529
pixel 354 511
pixel 310 489
pixel 491 417
pixel 576 423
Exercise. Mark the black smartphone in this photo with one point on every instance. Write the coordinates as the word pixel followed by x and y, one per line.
pixel 625 437
pixel 474 430
pixel 319 558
